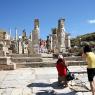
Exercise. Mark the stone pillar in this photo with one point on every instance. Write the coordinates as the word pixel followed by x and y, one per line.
pixel 55 40
pixel 31 36
pixel 16 35
pixel 23 41
pixel 50 41
pixel 48 44
pixel 30 48
pixel 20 47
pixel 61 35
pixel 69 42
pixel 35 36
pixel 16 38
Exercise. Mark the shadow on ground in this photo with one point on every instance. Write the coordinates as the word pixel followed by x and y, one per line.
pixel 45 92
pixel 53 85
pixel 50 91
pixel 39 85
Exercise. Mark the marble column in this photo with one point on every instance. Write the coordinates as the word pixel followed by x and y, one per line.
pixel 69 42
pixel 50 41
pixel 35 36
pixel 55 40
pixel 61 35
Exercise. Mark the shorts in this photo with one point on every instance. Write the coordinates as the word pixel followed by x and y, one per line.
pixel 91 73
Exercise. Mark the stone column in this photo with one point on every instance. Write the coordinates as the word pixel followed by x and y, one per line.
pixel 69 42
pixel 20 47
pixel 55 40
pixel 35 36
pixel 31 36
pixel 17 41
pixel 48 44
pixel 50 41
pixel 16 35
pixel 61 35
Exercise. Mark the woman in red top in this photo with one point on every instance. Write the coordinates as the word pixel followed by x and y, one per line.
pixel 62 71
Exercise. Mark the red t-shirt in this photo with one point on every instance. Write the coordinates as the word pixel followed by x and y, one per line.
pixel 62 70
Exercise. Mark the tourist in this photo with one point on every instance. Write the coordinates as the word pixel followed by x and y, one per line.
pixel 90 59
pixel 62 71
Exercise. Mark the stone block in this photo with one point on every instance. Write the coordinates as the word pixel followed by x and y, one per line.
pixel 1 53
pixel 7 67
pixel 6 64
pixel 5 60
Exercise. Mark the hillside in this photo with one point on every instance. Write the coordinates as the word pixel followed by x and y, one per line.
pixel 87 38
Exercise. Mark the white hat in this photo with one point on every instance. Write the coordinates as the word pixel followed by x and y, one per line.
pixel 60 56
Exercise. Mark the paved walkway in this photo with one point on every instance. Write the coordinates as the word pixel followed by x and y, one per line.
pixel 42 81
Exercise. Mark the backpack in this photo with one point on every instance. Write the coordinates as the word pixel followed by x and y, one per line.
pixel 70 75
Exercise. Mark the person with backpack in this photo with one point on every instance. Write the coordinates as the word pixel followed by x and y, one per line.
pixel 62 71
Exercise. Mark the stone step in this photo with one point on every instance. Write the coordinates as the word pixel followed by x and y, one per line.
pixel 45 55
pixel 26 59
pixel 11 66
pixel 49 59
pixel 6 64
pixel 75 58
pixel 24 55
pixel 48 64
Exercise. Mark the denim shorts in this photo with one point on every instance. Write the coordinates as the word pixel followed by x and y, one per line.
pixel 91 73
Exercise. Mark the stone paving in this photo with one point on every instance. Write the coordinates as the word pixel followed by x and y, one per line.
pixel 42 81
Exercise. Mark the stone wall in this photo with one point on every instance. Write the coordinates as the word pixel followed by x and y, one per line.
pixel 6 64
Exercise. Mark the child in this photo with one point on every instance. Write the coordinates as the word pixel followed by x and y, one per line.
pixel 90 58
pixel 62 71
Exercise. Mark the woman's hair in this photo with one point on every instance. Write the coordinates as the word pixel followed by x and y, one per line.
pixel 87 48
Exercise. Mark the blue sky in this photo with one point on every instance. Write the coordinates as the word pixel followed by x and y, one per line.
pixel 79 15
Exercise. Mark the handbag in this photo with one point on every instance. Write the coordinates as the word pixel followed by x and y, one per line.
pixel 70 75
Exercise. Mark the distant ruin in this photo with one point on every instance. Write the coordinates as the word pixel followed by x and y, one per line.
pixel 27 50
pixel 59 40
